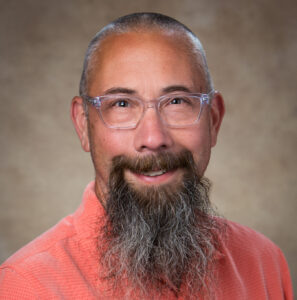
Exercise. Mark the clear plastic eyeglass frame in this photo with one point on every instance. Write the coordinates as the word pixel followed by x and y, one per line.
pixel 97 101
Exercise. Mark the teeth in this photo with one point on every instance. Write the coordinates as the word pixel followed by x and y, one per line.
pixel 154 173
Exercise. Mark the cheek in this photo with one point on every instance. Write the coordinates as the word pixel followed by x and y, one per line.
pixel 198 141
pixel 115 142
pixel 106 144
pixel 194 139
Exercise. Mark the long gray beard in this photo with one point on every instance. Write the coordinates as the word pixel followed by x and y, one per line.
pixel 158 240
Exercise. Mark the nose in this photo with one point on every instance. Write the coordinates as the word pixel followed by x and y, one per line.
pixel 150 134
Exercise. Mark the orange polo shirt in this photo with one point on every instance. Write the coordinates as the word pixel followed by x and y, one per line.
pixel 63 263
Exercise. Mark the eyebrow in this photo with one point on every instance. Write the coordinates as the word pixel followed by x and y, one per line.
pixel 168 89
pixel 119 90
pixel 176 88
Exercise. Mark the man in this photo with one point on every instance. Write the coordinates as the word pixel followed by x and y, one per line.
pixel 149 115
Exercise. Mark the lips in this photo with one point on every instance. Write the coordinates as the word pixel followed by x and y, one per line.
pixel 152 177
pixel 153 173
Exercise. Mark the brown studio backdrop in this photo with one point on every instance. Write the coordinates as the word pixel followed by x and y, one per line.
pixel 251 49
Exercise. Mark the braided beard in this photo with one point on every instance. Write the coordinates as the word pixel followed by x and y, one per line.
pixel 158 238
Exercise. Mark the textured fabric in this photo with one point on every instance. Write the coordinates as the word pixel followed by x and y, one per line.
pixel 63 262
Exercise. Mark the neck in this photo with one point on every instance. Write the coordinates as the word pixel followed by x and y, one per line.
pixel 101 191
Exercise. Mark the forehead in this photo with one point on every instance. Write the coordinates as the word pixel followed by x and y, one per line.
pixel 143 61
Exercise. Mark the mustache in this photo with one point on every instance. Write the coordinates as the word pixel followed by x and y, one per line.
pixel 166 161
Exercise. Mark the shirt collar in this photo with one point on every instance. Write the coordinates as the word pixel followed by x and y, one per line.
pixel 89 216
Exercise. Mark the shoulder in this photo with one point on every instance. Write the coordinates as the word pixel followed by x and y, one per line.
pixel 22 273
pixel 249 250
pixel 242 241
pixel 255 261
pixel 243 236
pixel 49 242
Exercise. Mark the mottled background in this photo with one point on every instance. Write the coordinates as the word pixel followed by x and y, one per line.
pixel 251 48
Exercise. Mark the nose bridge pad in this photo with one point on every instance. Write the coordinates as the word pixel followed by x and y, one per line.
pixel 153 105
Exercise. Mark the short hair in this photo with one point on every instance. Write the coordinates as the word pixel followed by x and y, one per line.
pixel 147 21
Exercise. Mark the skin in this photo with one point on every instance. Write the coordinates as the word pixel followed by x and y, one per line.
pixel 147 63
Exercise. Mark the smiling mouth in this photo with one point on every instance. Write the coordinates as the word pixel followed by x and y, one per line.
pixel 155 176
pixel 154 173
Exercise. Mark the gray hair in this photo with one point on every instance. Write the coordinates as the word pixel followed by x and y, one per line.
pixel 157 238
pixel 147 21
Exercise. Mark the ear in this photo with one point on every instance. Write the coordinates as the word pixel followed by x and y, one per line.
pixel 80 122
pixel 217 111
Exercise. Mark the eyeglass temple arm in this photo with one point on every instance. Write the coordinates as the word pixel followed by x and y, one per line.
pixel 96 101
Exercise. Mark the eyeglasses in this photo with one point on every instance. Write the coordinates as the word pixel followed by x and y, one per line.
pixel 121 111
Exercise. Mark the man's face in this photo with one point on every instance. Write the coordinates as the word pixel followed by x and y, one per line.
pixel 156 222
pixel 148 65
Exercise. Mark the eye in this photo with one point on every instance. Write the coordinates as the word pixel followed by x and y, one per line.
pixel 177 101
pixel 181 100
pixel 121 103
